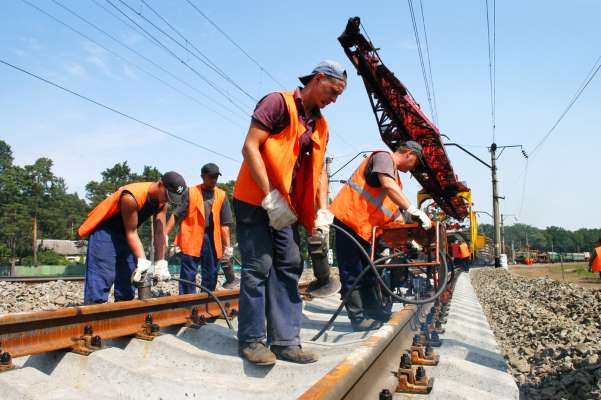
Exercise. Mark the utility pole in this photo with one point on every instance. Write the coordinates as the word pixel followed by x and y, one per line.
pixel 495 197
pixel 329 161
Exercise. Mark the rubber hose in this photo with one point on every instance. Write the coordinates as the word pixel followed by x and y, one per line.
pixel 372 266
pixel 210 293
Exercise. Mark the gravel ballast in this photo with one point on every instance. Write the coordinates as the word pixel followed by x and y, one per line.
pixel 550 333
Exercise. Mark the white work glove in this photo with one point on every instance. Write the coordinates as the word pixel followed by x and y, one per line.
pixel 228 253
pixel 161 270
pixel 280 214
pixel 323 221
pixel 416 212
pixel 142 266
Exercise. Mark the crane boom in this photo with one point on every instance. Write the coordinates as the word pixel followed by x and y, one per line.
pixel 400 118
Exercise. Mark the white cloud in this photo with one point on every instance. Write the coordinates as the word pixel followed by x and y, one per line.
pixel 129 72
pixel 76 70
pixel 98 57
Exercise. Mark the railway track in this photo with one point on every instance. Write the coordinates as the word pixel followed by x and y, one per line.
pixel 178 347
pixel 39 279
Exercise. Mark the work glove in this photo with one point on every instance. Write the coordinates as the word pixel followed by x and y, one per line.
pixel 161 270
pixel 228 253
pixel 142 266
pixel 280 214
pixel 324 220
pixel 416 212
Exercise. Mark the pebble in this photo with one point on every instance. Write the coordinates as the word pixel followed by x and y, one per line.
pixel 549 331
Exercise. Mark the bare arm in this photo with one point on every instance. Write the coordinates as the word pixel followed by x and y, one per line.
pixel 252 155
pixel 159 234
pixel 170 225
pixel 225 235
pixel 129 214
pixel 322 189
pixel 394 191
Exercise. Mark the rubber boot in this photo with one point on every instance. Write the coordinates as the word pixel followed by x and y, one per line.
pixel 230 276
pixel 354 309
pixel 372 305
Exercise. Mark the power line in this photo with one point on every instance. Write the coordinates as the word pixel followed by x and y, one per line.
pixel 236 44
pixel 173 54
pixel 587 80
pixel 492 65
pixel 114 110
pixel 421 6
pixel 421 57
pixel 120 56
pixel 208 62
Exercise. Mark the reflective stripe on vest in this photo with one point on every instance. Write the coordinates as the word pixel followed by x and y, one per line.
pixel 279 153
pixel 110 206
pixel 362 207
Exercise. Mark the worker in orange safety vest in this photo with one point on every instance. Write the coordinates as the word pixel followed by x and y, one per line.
pixel 594 264
pixel 204 218
pixel 460 253
pixel 373 196
pixel 115 253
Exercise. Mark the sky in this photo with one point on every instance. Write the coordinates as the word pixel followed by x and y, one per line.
pixel 544 51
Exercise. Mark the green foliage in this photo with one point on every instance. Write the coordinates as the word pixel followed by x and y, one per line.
pixel 46 257
pixel 552 238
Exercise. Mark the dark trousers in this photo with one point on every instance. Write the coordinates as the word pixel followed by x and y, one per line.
pixel 271 268
pixel 108 261
pixel 351 261
pixel 208 261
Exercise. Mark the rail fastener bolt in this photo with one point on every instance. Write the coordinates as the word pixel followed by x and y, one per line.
pixel 411 380
pixel 6 361
pixel 149 330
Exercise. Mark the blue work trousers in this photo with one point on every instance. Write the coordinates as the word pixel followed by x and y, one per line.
pixel 271 268
pixel 109 260
pixel 351 260
pixel 208 261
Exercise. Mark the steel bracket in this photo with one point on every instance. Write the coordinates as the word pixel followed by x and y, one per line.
pixel 410 381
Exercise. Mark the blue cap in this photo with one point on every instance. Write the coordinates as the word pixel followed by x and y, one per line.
pixel 328 67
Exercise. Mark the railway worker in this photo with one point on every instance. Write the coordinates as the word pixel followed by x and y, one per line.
pixel 115 252
pixel 594 264
pixel 282 180
pixel 461 255
pixel 373 196
pixel 204 220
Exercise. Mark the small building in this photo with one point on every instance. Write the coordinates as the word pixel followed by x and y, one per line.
pixel 72 250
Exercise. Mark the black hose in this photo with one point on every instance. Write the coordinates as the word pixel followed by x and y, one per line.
pixel 372 266
pixel 210 293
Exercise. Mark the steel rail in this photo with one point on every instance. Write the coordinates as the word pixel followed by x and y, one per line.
pixel 30 333
pixel 39 279
pixel 368 370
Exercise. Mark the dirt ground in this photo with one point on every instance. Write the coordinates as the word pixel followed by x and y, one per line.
pixel 576 272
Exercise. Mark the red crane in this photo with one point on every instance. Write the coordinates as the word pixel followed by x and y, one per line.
pixel 400 118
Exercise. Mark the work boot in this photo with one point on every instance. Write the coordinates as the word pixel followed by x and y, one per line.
pixel 294 354
pixel 354 309
pixel 372 305
pixel 230 277
pixel 257 353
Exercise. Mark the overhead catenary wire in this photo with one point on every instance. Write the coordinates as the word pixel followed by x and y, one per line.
pixel 421 57
pixel 232 41
pixel 492 64
pixel 207 61
pixel 435 116
pixel 177 57
pixel 87 37
pixel 116 111
pixel 587 80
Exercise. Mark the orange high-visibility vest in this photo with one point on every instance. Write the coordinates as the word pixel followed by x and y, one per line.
pixel 464 250
pixel 455 250
pixel 192 228
pixel 362 207
pixel 110 206
pixel 596 265
pixel 280 152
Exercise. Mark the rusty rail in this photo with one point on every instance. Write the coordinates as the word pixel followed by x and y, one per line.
pixel 39 279
pixel 83 328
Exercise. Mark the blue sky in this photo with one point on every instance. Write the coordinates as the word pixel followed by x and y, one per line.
pixel 544 51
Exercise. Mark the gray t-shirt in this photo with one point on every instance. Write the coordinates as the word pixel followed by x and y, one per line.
pixel 208 196
pixel 379 163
